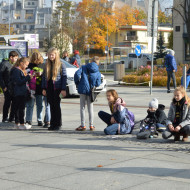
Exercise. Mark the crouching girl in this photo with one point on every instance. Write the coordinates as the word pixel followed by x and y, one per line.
pixel 120 121
pixel 178 122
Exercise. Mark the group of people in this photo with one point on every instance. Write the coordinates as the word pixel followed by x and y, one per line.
pixel 25 81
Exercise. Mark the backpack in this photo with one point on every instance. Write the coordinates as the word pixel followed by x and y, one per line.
pixel 147 130
pixel 130 115
pixel 75 63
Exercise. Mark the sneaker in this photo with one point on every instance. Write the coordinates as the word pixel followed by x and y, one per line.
pixel 168 91
pixel 92 128
pixel 5 120
pixel 24 127
pixel 40 123
pixel 51 128
pixel 29 122
pixel 46 125
pixel 80 128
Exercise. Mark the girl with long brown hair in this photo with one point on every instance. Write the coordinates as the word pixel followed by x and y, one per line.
pixel 178 122
pixel 53 84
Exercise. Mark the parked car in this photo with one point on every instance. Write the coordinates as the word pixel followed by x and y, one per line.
pixel 4 52
pixel 71 87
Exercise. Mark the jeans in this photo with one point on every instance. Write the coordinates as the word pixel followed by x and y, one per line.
pixel 112 129
pixel 160 127
pixel 170 75
pixel 30 107
pixel 187 81
pixel 183 131
pixel 47 117
pixel 106 117
pixel 83 99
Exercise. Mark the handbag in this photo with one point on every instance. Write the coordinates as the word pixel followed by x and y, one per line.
pixel 93 94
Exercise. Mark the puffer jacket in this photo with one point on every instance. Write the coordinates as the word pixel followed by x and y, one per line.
pixel 19 82
pixel 61 79
pixel 120 116
pixel 170 63
pixel 86 73
pixel 186 115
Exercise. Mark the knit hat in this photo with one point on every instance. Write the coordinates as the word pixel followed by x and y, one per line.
pixel 153 103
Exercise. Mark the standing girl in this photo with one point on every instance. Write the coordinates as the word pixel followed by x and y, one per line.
pixel 53 83
pixel 20 77
pixel 35 63
pixel 87 77
pixel 117 122
pixel 178 122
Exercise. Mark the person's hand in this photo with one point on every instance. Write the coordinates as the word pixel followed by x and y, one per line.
pixel 177 129
pixel 31 76
pixel 173 71
pixel 63 93
pixel 5 89
pixel 113 120
pixel 44 92
pixel 171 127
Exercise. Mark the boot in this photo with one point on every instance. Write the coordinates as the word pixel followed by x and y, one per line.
pixel 185 138
pixel 177 137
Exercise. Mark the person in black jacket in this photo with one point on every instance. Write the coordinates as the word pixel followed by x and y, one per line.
pixel 20 78
pixel 5 68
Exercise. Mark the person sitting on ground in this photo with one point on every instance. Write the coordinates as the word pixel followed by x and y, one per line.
pixel 187 79
pixel 178 122
pixel 156 118
pixel 118 121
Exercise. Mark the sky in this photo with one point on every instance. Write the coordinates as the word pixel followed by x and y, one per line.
pixel 164 3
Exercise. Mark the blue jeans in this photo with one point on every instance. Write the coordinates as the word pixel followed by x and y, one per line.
pixel 160 127
pixel 47 111
pixel 112 129
pixel 30 107
pixel 187 81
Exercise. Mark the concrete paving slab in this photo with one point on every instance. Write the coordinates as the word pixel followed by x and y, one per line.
pixel 31 172
pixel 8 184
pixel 94 180
pixel 6 162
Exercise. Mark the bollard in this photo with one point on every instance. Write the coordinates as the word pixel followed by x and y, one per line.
pixel 184 77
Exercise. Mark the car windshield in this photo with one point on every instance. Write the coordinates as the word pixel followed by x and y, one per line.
pixel 68 65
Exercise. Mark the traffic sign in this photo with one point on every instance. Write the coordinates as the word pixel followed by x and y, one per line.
pixel 138 50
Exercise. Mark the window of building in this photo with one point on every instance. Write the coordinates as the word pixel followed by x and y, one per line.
pixel 31 27
pixel 131 33
pixel 33 3
pixel 18 17
pixel 41 18
pixel 177 28
pixel 17 25
pixel 24 27
pixel 29 11
pixel 28 3
pixel 6 12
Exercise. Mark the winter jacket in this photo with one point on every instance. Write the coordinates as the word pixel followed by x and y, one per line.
pixel 158 116
pixel 19 80
pixel 185 118
pixel 86 73
pixel 120 116
pixel 77 58
pixel 170 63
pixel 61 79
pixel 5 68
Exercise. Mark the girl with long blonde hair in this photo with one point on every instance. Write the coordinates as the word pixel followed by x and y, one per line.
pixel 178 122
pixel 53 84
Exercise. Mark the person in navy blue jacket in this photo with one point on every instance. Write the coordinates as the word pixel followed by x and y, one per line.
pixel 87 77
pixel 19 79
pixel 171 68
pixel 53 84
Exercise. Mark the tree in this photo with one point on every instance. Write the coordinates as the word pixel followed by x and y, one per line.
pixel 160 46
pixel 61 27
pixel 139 15
pixel 163 18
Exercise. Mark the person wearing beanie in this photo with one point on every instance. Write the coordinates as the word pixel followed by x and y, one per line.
pixel 156 117
pixel 171 68
pixel 75 60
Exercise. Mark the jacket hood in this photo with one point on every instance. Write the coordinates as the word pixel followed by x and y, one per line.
pixel 77 56
pixel 92 67
pixel 161 107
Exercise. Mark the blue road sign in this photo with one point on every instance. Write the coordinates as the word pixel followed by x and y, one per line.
pixel 138 50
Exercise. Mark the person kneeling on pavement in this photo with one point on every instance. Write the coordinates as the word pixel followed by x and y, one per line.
pixel 178 122
pixel 154 122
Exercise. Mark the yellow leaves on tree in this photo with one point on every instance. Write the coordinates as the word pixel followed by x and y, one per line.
pixel 101 19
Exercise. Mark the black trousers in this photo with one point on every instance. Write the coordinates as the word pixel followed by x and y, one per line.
pixel 55 108
pixel 19 108
pixel 6 106
pixel 171 74
pixel 106 117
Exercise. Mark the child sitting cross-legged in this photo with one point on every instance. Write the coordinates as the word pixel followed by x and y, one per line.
pixel 178 122
pixel 154 121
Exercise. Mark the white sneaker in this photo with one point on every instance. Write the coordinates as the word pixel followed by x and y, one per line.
pixel 28 126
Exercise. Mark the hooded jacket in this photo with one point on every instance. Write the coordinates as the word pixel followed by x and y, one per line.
pixel 87 77
pixel 170 63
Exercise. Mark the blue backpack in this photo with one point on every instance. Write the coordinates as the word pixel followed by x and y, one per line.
pixel 130 115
